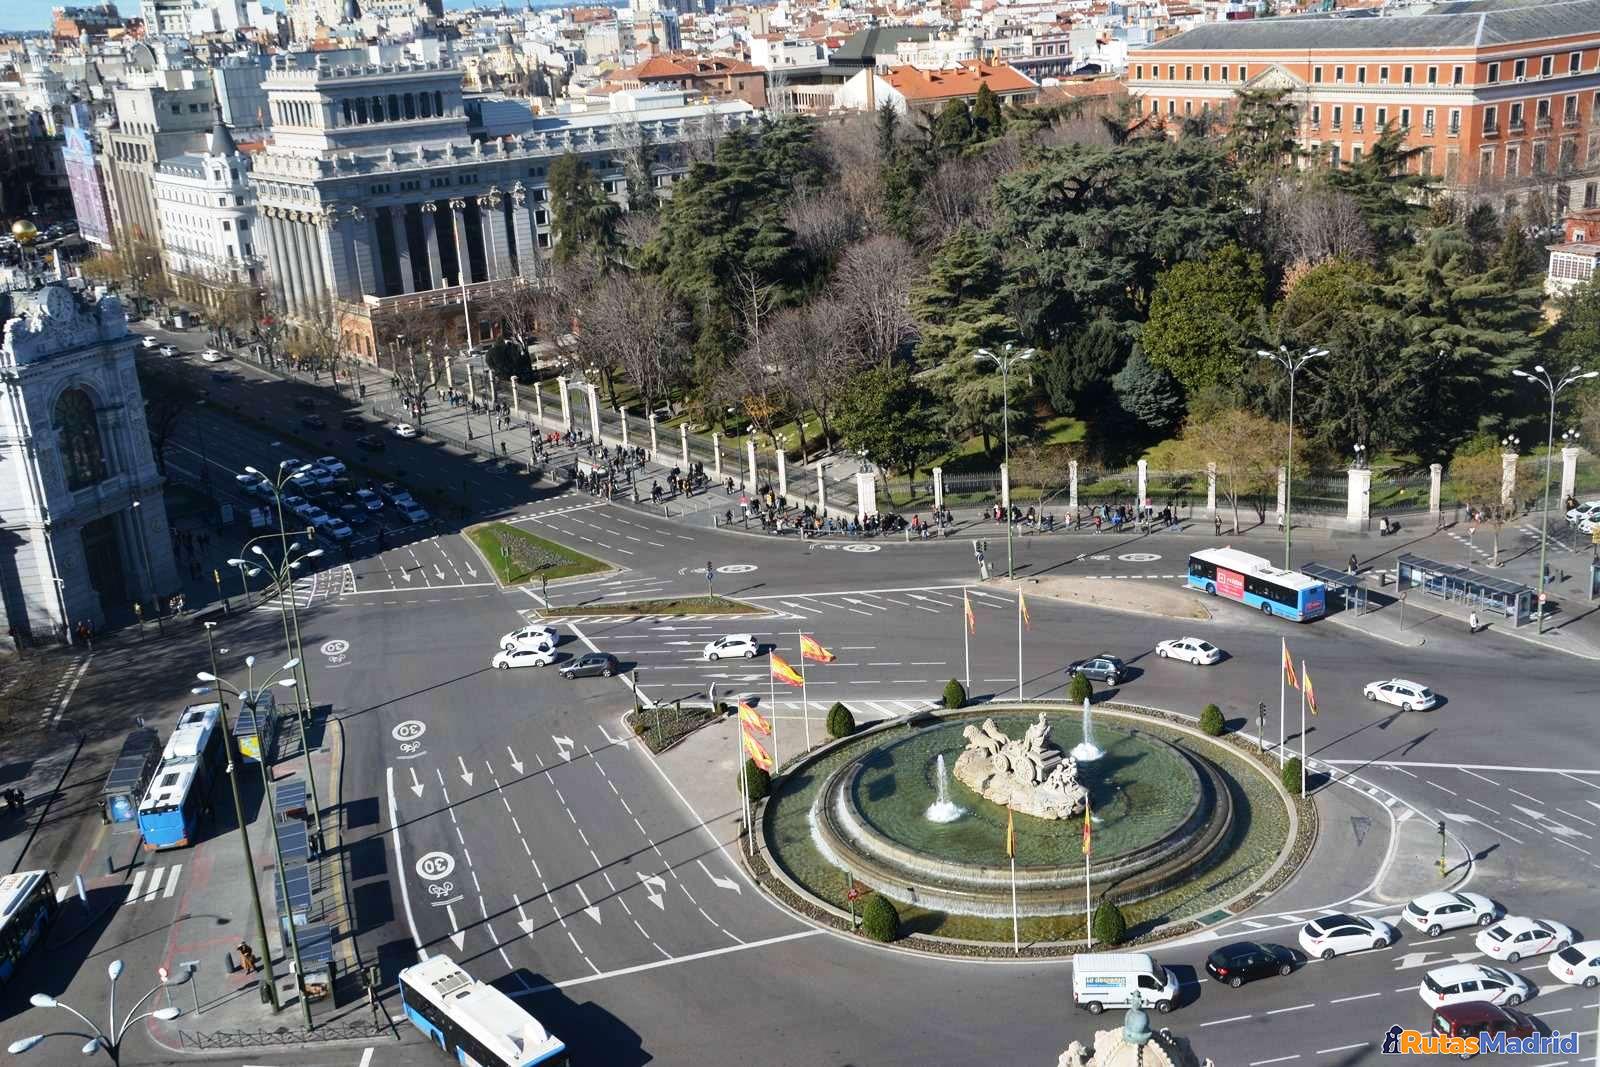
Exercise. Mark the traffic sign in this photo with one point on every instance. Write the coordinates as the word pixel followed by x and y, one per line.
pixel 854 894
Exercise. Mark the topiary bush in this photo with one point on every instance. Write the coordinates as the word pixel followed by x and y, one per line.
pixel 756 782
pixel 1211 720
pixel 1291 776
pixel 955 696
pixel 1079 688
pixel 1110 925
pixel 879 918
pixel 840 722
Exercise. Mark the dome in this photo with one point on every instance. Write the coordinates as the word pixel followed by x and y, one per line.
pixel 24 231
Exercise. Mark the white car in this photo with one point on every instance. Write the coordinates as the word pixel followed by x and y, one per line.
pixel 1578 964
pixel 211 355
pixel 523 657
pixel 534 633
pixel 1190 650
pixel 404 429
pixel 149 342
pixel 1588 525
pixel 332 465
pixel 1407 696
pixel 247 482
pixel 1461 982
pixel 369 500
pixel 169 350
pixel 1434 913
pixel 731 646
pixel 304 479
pixel 1517 936
pixel 1586 510
pixel 1337 934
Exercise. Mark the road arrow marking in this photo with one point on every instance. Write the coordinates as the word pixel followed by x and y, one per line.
pixel 1453 817
pixel 466 775
pixel 563 745
pixel 1549 823
pixel 416 786
pixel 471 569
pixel 588 908
pixel 654 886
pixel 455 931
pixel 623 741
pixel 720 883
pixel 406 575
pixel 516 764
pixel 525 923
pixel 1411 960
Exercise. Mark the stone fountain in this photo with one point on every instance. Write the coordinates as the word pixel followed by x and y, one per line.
pixel 943 809
pixel 1028 776
pixel 1086 751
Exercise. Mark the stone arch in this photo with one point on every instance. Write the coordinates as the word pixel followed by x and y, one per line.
pixel 83 453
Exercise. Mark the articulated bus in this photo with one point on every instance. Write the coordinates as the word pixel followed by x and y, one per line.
pixel 473 1022
pixel 180 791
pixel 27 905
pixel 1256 583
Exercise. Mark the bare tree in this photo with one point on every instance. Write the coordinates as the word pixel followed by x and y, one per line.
pixel 824 223
pixel 851 145
pixel 814 361
pixel 752 380
pixel 1312 223
pixel 873 288
pixel 634 324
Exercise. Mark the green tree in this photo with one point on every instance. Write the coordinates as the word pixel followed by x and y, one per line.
pixel 1578 333
pixel 1477 479
pixel 887 132
pixel 1079 688
pixel 988 120
pixel 1289 774
pixel 891 415
pixel 584 221
pixel 880 919
pixel 1148 393
pixel 841 723
pixel 755 781
pixel 1518 258
pixel 1262 134
pixel 508 360
pixel 1078 372
pixel 1211 721
pixel 1200 315
pixel 957 305
pixel 1110 925
pixel 1246 448
pixel 1391 198
pixel 955 695
pixel 953 126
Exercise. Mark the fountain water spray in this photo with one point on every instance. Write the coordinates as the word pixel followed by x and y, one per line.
pixel 943 809
pixel 1087 751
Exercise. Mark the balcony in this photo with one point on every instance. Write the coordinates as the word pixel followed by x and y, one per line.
pixel 1517 126
pixel 1357 127
pixel 1491 131
pixel 1428 130
pixel 1542 123
pixel 1455 131
pixel 1569 121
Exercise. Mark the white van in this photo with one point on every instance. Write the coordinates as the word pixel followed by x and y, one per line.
pixel 1102 980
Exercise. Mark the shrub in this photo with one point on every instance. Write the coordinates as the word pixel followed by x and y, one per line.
pixel 840 722
pixel 757 783
pixel 1211 720
pixel 879 918
pixel 1291 776
pixel 954 695
pixel 1110 925
pixel 1080 688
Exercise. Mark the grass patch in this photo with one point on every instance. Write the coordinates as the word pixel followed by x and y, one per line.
pixel 518 556
pixel 665 725
pixel 694 605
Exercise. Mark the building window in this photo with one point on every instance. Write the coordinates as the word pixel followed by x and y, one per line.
pixel 1361 75
pixel 1433 75
pixel 1516 117
pixel 1361 114
pixel 1513 167
pixel 1316 116
pixel 1383 117
pixel 1594 147
pixel 1574 62
pixel 1539 157
pixel 1188 107
pixel 1452 164
pixel 1519 70
pixel 1455 121
pixel 438 103
pixel 244 227
pixel 1383 75
pixel 1338 116
pixel 1543 113
pixel 1205 73
pixel 1338 75
pixel 1333 156
pixel 1355 155
pixel 1224 69
pixel 1569 112
pixel 1405 118
pixel 410 101
pixel 1316 75
pixel 1486 163
pixel 1172 108
pixel 78 432
pixel 1172 73
pixel 227 227
pixel 1427 120
pixel 1489 125
pixel 1241 72
pixel 1405 75
pixel 1155 108
pixel 1139 72
pixel 1589 193
pixel 1547 66
pixel 1458 76
pixel 1494 73
pixel 1568 153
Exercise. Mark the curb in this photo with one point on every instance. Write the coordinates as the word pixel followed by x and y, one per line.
pixel 55 791
pixel 1339 620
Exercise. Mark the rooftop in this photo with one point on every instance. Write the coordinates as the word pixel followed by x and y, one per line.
pixel 915 83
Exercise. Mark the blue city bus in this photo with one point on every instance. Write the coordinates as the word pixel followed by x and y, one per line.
pixel 472 1022
pixel 27 906
pixel 1256 583
pixel 180 791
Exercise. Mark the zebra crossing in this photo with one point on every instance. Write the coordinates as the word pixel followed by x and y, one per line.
pixel 158 883
pixel 933 599
pixel 551 512
pixel 863 710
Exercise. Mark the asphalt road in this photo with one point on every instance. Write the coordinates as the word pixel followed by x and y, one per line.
pixel 504 820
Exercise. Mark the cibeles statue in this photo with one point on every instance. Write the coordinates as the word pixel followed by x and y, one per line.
pixel 1031 776
pixel 1134 1045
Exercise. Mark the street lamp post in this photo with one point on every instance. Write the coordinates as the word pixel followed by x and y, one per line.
pixel 149 579
pixel 244 830
pixel 1008 355
pixel 244 569
pixel 1553 386
pixel 1292 363
pixel 109 1039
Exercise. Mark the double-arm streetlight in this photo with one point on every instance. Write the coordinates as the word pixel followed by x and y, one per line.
pixel 1006 357
pixel 109 1039
pixel 252 696
pixel 1553 386
pixel 1291 362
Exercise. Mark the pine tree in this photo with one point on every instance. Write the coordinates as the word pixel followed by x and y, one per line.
pixel 1262 132
pixel 958 303
pixel 1148 393
pixel 584 220
pixel 953 128
pixel 1078 372
pixel 1391 198
pixel 987 118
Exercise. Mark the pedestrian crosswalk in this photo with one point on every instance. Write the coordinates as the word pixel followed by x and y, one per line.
pixel 863 710
pixel 549 512
pixel 156 883
pixel 555 615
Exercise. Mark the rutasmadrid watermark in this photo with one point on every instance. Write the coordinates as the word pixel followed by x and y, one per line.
pixel 1399 1041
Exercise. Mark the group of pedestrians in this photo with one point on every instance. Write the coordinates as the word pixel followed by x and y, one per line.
pixel 188 547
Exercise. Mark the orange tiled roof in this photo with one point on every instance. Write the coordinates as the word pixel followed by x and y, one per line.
pixel 680 65
pixel 916 84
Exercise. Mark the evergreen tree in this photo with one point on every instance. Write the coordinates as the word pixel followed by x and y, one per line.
pixel 888 132
pixel 1517 257
pixel 892 416
pixel 1077 373
pixel 1148 393
pixel 987 118
pixel 1262 131
pixel 953 128
pixel 957 304
pixel 1200 314
pixel 584 220
pixel 1391 198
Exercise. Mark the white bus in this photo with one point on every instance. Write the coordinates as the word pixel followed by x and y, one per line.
pixel 473 1022
pixel 1255 582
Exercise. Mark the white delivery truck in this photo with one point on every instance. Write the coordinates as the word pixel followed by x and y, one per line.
pixel 1102 980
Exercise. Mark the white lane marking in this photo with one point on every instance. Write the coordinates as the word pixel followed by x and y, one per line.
pixel 1297 1007
pixel 155 884
pixel 1222 1022
pixel 1400 765
pixel 1362 996
pixel 133 888
pixel 172 880
pixel 1342 1048
pixel 400 865
pixel 366 1056
pixel 72 687
pixel 640 968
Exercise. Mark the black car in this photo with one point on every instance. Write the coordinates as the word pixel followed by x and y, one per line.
pixel 1245 961
pixel 591 664
pixel 1101 668
pixel 315 422
pixel 308 403
pixel 353 422
pixel 370 442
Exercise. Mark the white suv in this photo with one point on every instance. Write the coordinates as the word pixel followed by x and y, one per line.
pixel 1434 913
pixel 732 645
pixel 1473 981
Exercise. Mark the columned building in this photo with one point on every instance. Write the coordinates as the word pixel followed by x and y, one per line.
pixel 160 113
pixel 382 194
pixel 83 529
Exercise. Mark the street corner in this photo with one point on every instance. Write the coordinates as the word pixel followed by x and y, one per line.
pixel 1141 598
pixel 1427 855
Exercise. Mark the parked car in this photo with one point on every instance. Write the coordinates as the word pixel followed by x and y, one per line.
pixel 337 529
pixel 314 422
pixel 290 463
pixel 412 513
pixel 353 422
pixel 369 500
pixel 247 482
pixel 1461 982
pixel 1577 964
pixel 169 350
pixel 393 492
pixel 332 465
pixel 1245 961
pixel 731 646
pixel 149 342
pixel 1434 913
pixel 590 665
pixel 1586 510
pixel 404 429
pixel 305 403
pixel 1190 650
pixel 537 632
pixel 1517 936
pixel 1101 668
pixel 1335 935
pixel 212 355
pixel 1475 1017
pixel 530 656
pixel 370 442
pixel 1407 696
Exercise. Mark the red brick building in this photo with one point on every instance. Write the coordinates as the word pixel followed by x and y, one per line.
pixel 718 77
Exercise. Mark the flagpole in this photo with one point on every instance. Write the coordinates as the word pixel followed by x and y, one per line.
pixel 1283 697
pixel 1303 684
pixel 1016 936
pixel 805 701
pixel 966 645
pixel 772 688
pixel 1019 644
pixel 1088 915
pixel 744 780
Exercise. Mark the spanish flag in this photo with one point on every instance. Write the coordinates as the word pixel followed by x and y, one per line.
pixel 757 753
pixel 1288 666
pixel 1011 834
pixel 1022 606
pixel 972 620
pixel 752 719
pixel 1088 829
pixel 782 671
pixel 1311 696
pixel 813 651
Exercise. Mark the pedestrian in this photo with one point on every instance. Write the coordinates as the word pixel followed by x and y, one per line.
pixel 1354 566
pixel 1218 520
pixel 247 958
pixel 1472 622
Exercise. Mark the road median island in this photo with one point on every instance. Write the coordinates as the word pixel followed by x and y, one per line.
pixel 1165 599
pixel 694 605
pixel 662 726
pixel 517 557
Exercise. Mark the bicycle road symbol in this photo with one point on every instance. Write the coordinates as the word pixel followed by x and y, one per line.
pixel 409 730
pixel 441 889
pixel 336 647
pixel 436 865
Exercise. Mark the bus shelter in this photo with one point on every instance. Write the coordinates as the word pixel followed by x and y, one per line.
pixel 1347 584
pixel 1453 582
